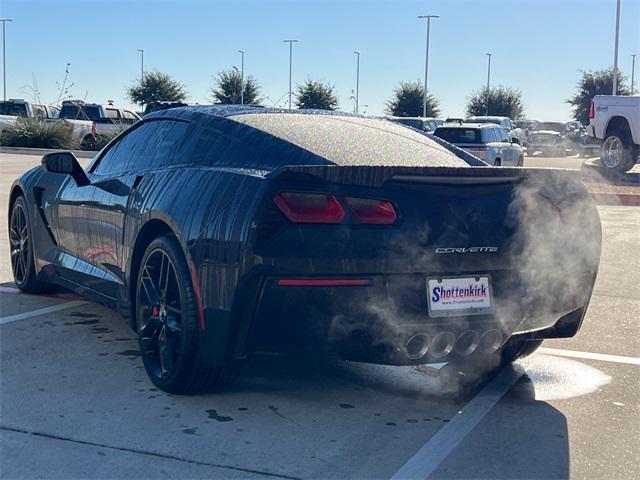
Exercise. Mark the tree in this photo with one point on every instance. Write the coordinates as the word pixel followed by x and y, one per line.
pixel 503 102
pixel 228 86
pixel 316 94
pixel 594 83
pixel 156 86
pixel 407 101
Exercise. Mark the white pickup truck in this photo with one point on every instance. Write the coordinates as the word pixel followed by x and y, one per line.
pixel 82 133
pixel 616 121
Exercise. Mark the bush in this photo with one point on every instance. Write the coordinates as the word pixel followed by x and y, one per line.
pixel 34 133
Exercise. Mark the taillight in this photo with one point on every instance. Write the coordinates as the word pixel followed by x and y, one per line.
pixel 592 110
pixel 372 211
pixel 309 207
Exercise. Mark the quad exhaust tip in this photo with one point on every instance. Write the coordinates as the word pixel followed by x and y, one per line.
pixel 417 346
pixel 467 343
pixel 442 345
pixel 490 341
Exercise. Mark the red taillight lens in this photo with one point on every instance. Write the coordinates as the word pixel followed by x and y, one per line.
pixel 372 211
pixel 309 207
pixel 592 110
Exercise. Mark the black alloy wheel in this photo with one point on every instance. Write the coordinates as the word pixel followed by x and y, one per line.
pixel 168 323
pixel 21 248
pixel 159 305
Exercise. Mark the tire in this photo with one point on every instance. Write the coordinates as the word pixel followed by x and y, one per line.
pixel 497 162
pixel 88 143
pixel 516 348
pixel 168 326
pixel 618 152
pixel 21 249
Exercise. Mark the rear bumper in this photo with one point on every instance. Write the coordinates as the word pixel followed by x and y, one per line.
pixel 383 319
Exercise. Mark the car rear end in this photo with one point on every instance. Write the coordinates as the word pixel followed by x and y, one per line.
pixel 417 265
pixel 469 138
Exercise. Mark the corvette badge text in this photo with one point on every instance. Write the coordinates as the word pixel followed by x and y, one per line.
pixel 466 249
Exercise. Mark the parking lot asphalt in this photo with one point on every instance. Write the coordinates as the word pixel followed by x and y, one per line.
pixel 75 401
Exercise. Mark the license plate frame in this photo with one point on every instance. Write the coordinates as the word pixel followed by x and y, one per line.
pixel 459 308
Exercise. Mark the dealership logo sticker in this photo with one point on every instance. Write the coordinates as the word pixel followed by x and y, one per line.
pixel 470 294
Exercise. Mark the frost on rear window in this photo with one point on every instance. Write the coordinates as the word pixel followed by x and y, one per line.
pixel 353 141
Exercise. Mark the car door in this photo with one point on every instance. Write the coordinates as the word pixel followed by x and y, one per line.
pixel 91 218
pixel 508 152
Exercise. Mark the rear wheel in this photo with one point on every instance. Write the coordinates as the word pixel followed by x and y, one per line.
pixel 618 152
pixel 168 326
pixel 21 247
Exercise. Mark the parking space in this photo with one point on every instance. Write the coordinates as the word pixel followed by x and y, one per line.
pixel 76 401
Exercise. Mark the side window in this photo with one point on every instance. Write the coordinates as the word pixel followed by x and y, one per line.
pixel 151 145
pixel 129 117
pixel 502 135
pixel 487 136
pixel 112 113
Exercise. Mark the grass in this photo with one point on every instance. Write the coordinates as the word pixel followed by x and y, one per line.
pixel 34 133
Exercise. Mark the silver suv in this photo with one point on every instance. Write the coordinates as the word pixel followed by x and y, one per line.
pixel 488 142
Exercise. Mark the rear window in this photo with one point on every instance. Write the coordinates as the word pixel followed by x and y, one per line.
pixel 353 141
pixel 13 109
pixel 79 112
pixel 458 135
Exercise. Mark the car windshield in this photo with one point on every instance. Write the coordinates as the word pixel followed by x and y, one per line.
pixel 410 122
pixel 458 135
pixel 80 112
pixel 13 109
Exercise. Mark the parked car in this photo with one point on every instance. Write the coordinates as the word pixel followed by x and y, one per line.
pixel 488 142
pixel 504 122
pixel 238 230
pixel 82 131
pixel 549 143
pixel 108 119
pixel 615 120
pixel 425 124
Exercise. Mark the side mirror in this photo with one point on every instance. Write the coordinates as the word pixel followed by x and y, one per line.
pixel 515 140
pixel 67 164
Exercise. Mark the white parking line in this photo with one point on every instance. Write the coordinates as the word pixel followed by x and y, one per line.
pixel 40 311
pixel 432 454
pixel 590 356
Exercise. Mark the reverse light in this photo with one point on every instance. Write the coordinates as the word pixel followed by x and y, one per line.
pixel 309 207
pixel 372 211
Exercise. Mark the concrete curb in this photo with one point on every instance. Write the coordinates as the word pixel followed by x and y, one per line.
pixel 42 151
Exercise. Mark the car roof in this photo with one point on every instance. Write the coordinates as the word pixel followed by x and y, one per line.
pixel 194 112
pixel 469 125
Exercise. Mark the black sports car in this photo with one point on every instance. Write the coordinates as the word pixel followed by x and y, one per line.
pixel 223 232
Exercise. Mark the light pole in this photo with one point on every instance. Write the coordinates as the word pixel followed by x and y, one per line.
pixel 426 62
pixel 290 42
pixel 141 64
pixel 357 79
pixel 615 53
pixel 488 80
pixel 633 71
pixel 4 57
pixel 241 52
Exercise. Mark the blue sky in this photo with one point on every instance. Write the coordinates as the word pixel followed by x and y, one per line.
pixel 538 46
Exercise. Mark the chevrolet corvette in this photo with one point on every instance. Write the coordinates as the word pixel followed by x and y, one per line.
pixel 223 232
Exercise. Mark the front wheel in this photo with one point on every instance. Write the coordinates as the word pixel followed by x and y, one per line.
pixel 618 153
pixel 168 326
pixel 21 247
pixel 497 162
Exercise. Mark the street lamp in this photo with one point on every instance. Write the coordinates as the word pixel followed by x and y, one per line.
pixel 290 42
pixel 4 57
pixel 241 77
pixel 615 53
pixel 357 78
pixel 488 79
pixel 141 64
pixel 426 62
pixel 633 71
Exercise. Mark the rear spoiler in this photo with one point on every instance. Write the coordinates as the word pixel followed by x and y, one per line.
pixel 377 176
